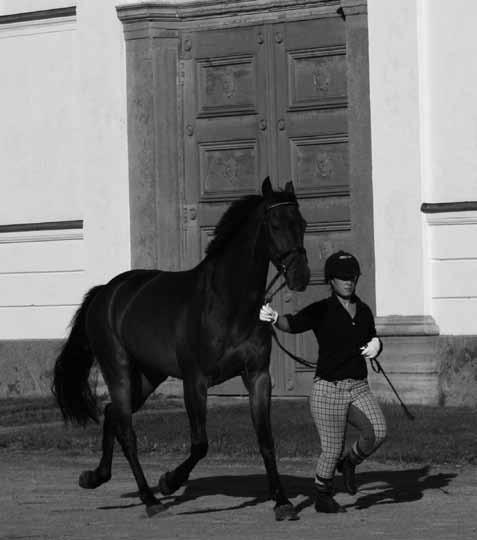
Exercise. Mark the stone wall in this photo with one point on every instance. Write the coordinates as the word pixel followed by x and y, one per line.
pixel 447 376
pixel 458 370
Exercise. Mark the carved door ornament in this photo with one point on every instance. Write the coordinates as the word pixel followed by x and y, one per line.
pixel 228 83
pixel 323 165
pixel 221 169
pixel 321 79
pixel 231 168
pixel 222 81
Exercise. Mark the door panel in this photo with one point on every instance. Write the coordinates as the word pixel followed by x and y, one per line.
pixel 225 128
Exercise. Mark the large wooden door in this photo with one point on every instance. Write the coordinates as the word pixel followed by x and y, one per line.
pixel 269 99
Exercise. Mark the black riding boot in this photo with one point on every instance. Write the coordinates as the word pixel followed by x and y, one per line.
pixel 346 467
pixel 323 495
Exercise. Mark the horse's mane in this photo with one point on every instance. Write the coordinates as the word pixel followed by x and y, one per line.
pixel 235 216
pixel 231 222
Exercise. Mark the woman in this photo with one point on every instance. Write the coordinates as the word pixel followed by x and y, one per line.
pixel 346 334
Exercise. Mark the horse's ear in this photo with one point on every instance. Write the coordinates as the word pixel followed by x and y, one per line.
pixel 289 188
pixel 267 189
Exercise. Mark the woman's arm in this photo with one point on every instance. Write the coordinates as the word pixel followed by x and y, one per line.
pixel 374 346
pixel 282 323
pixel 295 324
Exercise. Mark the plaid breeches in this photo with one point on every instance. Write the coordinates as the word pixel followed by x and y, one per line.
pixel 331 403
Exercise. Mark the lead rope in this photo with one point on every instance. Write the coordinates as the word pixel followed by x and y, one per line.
pixel 268 299
pixel 297 359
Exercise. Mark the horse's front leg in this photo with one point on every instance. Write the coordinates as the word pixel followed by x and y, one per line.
pixel 259 387
pixel 195 400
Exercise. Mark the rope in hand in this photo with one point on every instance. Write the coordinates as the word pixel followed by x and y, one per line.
pixel 268 299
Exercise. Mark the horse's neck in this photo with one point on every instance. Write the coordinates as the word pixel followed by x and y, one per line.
pixel 241 272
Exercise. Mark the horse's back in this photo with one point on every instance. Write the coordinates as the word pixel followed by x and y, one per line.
pixel 151 312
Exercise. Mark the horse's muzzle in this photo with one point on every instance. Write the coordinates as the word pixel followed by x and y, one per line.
pixel 298 273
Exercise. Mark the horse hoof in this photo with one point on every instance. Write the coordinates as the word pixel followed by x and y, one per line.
pixel 91 480
pixel 286 512
pixel 157 509
pixel 164 486
pixel 88 480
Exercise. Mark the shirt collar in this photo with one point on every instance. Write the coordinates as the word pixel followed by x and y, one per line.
pixel 335 301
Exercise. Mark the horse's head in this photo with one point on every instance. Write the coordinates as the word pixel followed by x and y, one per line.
pixel 286 228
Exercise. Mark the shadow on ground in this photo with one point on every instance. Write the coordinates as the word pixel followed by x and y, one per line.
pixel 377 487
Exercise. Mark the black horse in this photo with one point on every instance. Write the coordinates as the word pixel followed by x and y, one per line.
pixel 200 325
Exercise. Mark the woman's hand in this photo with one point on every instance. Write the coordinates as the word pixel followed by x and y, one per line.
pixel 268 314
pixel 371 349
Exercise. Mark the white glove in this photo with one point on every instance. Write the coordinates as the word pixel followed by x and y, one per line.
pixel 268 314
pixel 371 349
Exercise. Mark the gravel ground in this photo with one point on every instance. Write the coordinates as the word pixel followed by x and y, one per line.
pixel 40 499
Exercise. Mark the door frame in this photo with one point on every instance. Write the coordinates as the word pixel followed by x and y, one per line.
pixel 158 38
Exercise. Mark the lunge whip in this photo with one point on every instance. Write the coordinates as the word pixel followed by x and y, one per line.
pixel 378 368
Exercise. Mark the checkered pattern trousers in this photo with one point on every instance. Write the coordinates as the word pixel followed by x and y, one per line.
pixel 332 405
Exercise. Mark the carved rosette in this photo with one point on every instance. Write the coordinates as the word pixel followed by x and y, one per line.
pixel 228 83
pixel 221 82
pixel 222 168
pixel 321 78
pixel 323 165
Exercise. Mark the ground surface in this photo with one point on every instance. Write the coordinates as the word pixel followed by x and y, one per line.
pixel 40 499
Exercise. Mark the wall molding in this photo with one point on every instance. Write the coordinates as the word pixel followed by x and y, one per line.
pixel 439 219
pixel 45 231
pixel 42 226
pixel 406 325
pixel 42 15
pixel 446 207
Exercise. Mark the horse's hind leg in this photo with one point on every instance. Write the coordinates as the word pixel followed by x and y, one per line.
pixel 121 405
pixel 195 400
pixel 102 473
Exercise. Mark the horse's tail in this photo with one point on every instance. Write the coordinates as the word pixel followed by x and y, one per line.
pixel 71 372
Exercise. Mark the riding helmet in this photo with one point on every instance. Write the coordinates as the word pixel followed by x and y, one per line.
pixel 341 265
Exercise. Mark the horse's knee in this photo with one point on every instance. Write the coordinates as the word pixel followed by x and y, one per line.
pixel 199 451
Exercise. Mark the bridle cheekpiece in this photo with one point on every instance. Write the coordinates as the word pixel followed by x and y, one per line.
pixel 282 267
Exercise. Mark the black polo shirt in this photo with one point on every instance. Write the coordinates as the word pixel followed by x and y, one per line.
pixel 339 336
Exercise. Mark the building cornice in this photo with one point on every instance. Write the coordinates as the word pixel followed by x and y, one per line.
pixel 353 7
pixel 167 12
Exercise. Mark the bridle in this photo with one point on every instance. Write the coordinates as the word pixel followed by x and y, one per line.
pixel 282 263
pixel 281 271
pixel 283 260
